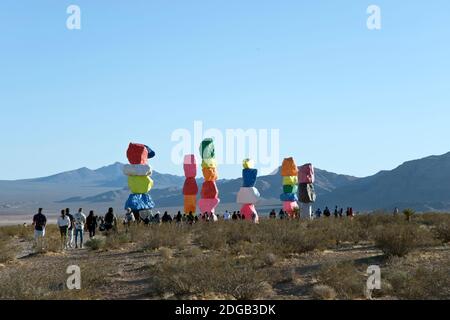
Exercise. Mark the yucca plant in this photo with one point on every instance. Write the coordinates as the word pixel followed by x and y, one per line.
pixel 408 214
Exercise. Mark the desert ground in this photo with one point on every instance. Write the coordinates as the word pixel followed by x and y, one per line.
pixel 324 259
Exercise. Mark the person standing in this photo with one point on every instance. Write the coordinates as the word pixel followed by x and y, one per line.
pixel 39 223
pixel 336 212
pixel 273 214
pixel 318 213
pixel 70 230
pixel 63 223
pixel 91 224
pixel 226 216
pixel 80 221
pixel 396 211
pixel 179 218
pixel 167 218
pixel 110 220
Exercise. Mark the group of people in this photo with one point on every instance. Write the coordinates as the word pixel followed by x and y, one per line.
pixel 338 213
pixel 73 226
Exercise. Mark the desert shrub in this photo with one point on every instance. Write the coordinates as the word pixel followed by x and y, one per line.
pixel 238 278
pixel 442 232
pixel 95 244
pixel 155 237
pixel 401 238
pixel 7 251
pixel 323 292
pixel 419 281
pixel 347 281
pixel 166 253
pixel 270 259
pixel 20 232
pixel 290 237
pixel 32 282
pixel 116 241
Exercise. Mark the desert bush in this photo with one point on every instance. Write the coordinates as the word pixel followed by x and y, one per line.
pixel 238 278
pixel 95 244
pixel 401 238
pixel 270 259
pixel 166 253
pixel 32 282
pixel 442 232
pixel 155 237
pixel 7 251
pixel 323 292
pixel 347 281
pixel 414 281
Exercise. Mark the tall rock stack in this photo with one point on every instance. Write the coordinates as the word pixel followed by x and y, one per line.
pixel 139 178
pixel 248 195
pixel 190 188
pixel 306 190
pixel 210 193
pixel 289 172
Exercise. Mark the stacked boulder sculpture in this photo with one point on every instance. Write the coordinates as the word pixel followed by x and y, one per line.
pixel 307 193
pixel 139 178
pixel 210 193
pixel 248 195
pixel 289 172
pixel 190 188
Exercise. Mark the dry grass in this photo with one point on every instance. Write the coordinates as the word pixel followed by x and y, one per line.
pixel 239 260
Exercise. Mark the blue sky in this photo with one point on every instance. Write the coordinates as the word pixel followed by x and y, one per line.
pixel 345 98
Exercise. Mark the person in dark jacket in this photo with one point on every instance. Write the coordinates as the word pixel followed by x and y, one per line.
pixel 110 220
pixel 282 215
pixel 327 212
pixel 234 217
pixel 91 224
pixel 167 218
pixel 179 218
pixel 273 214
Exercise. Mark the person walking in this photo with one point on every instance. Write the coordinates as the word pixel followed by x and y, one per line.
pixel 167 218
pixel 91 224
pixel 128 219
pixel 63 224
pixel 80 222
pixel 70 230
pixel 179 218
pixel 110 220
pixel 39 223
pixel 318 213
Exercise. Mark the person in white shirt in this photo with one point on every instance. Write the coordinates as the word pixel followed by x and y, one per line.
pixel 79 221
pixel 128 219
pixel 227 216
pixel 63 223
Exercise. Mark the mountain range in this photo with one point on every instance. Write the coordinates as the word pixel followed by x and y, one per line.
pixel 422 184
